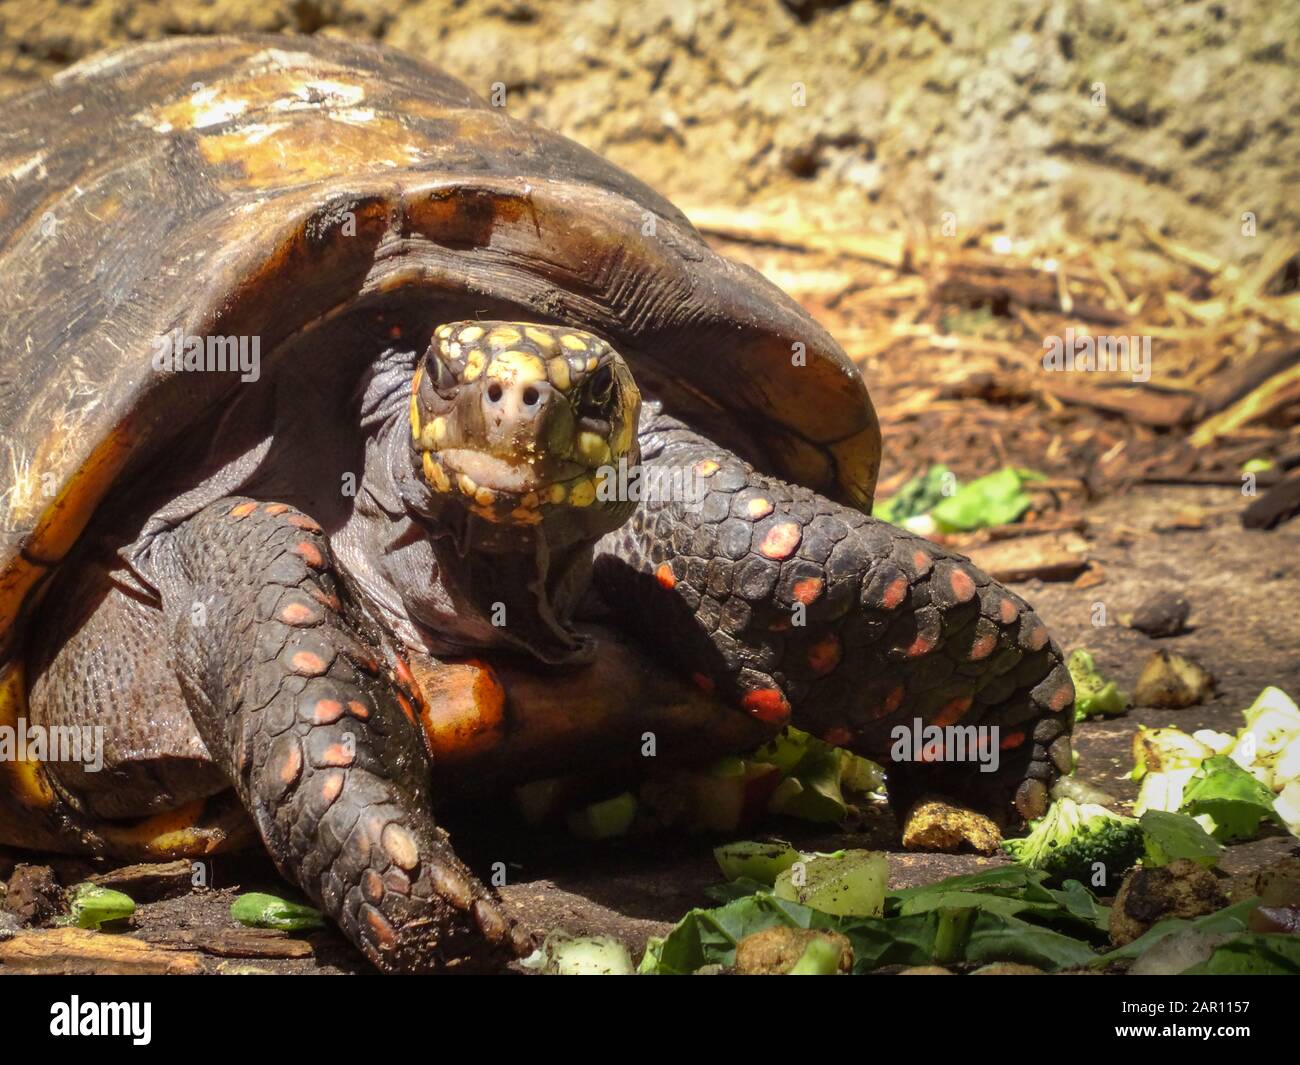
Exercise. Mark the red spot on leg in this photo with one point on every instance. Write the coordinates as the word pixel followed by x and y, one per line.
pixel 379 926
pixel 372 887
pixel 892 702
pixel 704 683
pixel 1008 611
pixel 952 711
pixel 706 468
pixel 242 510
pixel 767 704
pixel 299 614
pixel 326 711
pixel 781 540
pixel 808 590
pixel 358 709
pixel 331 786
pixel 962 584
pixel 922 562
pixel 759 507
pixel 665 576
pixel 1012 740
pixel 922 645
pixel 337 755
pixel 301 521
pixel 1061 698
pixel 311 554
pixel 289 764
pixel 825 654
pixel 983 647
pixel 895 593
pixel 308 663
pixel 330 602
pixel 1036 638
pixel 275 508
pixel 838 736
pixel 406 706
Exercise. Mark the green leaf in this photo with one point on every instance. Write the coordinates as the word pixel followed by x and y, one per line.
pixel 1168 837
pixel 92 906
pixel 259 910
pixel 995 499
pixel 1229 919
pixel 1261 954
pixel 915 497
pixel 1235 801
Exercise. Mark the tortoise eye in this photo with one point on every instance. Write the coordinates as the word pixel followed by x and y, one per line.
pixel 440 375
pixel 599 390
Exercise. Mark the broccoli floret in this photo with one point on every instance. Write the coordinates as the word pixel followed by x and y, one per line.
pixel 1073 839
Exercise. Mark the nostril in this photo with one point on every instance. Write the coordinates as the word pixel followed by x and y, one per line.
pixel 530 396
pixel 494 393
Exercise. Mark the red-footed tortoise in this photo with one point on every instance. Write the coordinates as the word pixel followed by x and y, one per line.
pixel 319 375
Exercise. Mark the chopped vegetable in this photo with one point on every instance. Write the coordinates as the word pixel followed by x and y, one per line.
pixel 1094 695
pixel 91 906
pixel 1173 682
pixel 1233 799
pixel 996 499
pixel 821 783
pixel 1078 841
pixel 563 954
pixel 606 819
pixel 850 883
pixel 259 910
pixel 761 862
pixel 916 497
pixel 1169 837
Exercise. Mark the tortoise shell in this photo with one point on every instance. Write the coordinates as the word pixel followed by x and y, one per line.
pixel 254 185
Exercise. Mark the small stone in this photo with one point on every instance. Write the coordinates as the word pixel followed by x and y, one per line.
pixel 1007 968
pixel 1162 614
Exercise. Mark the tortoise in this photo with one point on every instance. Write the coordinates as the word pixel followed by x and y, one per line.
pixel 369 447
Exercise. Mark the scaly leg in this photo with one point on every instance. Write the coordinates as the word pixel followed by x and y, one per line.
pixel 894 628
pixel 291 702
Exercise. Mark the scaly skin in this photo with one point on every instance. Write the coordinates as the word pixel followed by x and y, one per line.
pixel 293 705
pixel 894 627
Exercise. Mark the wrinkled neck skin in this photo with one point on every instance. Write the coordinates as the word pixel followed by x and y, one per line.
pixel 429 579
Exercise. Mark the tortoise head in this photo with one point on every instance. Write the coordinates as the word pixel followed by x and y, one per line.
pixel 523 426
pixel 523 434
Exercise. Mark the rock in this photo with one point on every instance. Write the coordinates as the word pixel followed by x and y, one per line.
pixel 1171 682
pixel 926 970
pixel 1162 614
pixel 34 894
pixel 1148 896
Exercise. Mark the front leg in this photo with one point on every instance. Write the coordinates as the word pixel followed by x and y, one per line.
pixel 293 705
pixel 803 610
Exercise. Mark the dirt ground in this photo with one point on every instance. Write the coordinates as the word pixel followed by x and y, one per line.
pixel 1071 121
pixel 1044 119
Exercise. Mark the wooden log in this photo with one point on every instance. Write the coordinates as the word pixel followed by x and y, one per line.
pixel 76 951
pixel 149 881
pixel 1280 503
